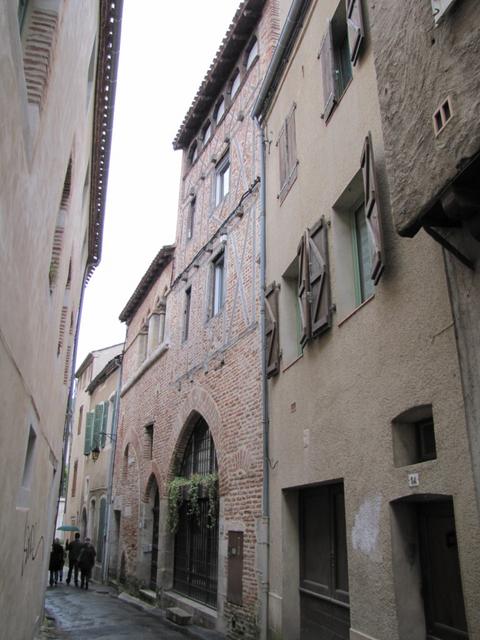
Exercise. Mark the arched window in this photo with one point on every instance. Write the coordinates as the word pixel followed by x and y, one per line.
pixel 196 540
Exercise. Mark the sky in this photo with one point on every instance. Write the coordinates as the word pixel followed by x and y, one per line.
pixel 165 52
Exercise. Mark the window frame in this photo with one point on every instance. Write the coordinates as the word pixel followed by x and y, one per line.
pixel 187 304
pixel 253 45
pixel 222 168
pixel 191 218
pixel 217 284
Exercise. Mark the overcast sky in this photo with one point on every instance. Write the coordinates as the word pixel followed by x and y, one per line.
pixel 166 50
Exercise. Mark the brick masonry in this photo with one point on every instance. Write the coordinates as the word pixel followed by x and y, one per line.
pixel 215 372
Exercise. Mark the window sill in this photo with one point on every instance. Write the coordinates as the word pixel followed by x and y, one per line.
pixel 292 362
pixel 146 364
pixel 352 313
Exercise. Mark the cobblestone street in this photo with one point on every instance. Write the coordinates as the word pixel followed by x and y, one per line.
pixel 100 614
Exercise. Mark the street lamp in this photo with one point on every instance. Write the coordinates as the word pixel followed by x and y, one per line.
pixel 96 449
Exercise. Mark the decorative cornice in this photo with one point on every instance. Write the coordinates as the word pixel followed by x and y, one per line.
pixel 105 87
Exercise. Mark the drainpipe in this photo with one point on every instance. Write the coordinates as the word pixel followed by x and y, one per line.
pixel 113 451
pixel 265 526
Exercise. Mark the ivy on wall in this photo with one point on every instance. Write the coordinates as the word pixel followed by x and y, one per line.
pixel 190 490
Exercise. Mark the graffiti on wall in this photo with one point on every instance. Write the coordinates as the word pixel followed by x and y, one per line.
pixel 33 544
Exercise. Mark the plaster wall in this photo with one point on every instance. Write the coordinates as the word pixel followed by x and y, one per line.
pixel 331 409
pixel 418 66
pixel 35 147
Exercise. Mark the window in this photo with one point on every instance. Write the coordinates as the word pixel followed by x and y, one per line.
pixel 218 284
pixel 287 154
pixel 29 459
pixel 339 50
pixel 74 478
pixel 357 237
pixel 251 53
pixel 149 442
pixel 222 179
pixel 142 343
pixel 219 110
pixel 193 152
pixel 59 229
pixel 235 84
pixel 207 132
pixel 413 434
pixel 291 325
pixel 186 313
pixel 80 418
pixel 88 433
pixel 191 218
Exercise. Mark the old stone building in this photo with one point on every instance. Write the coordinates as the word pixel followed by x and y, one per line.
pixel 92 440
pixel 191 403
pixel 57 72
pixel 374 529
pixel 435 162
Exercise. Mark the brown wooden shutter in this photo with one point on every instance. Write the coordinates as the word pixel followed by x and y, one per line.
pixel 271 330
pixel 372 209
pixel 328 73
pixel 303 290
pixel 356 31
pixel 291 142
pixel 282 155
pixel 320 307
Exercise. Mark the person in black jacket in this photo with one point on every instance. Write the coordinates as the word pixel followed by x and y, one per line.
pixel 56 561
pixel 73 549
pixel 86 561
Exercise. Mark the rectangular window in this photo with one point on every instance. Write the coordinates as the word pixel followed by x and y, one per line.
pixel 362 256
pixel 186 313
pixel 74 478
pixel 29 459
pixel 191 218
pixel 218 283
pixel 80 418
pixel 149 442
pixel 222 179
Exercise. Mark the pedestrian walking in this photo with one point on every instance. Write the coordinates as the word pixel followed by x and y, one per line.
pixel 74 547
pixel 56 561
pixel 86 561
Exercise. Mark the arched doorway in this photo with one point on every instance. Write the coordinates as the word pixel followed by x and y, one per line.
pixel 155 527
pixel 196 543
pixel 148 555
pixel 83 525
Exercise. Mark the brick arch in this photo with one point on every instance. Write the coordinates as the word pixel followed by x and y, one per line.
pixel 152 478
pixel 198 404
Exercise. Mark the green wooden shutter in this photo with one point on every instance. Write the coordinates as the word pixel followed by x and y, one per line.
pixel 103 437
pixel 88 433
pixel 97 426
pixel 114 413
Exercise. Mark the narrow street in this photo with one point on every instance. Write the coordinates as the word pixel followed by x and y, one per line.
pixel 101 614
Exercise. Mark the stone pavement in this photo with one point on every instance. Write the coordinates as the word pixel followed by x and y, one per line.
pixel 99 614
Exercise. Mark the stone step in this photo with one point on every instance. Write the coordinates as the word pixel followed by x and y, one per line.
pixel 148 595
pixel 179 616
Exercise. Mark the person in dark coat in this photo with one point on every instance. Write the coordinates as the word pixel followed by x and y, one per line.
pixel 73 549
pixel 86 562
pixel 56 561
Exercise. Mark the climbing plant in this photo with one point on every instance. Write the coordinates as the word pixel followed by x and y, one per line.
pixel 188 490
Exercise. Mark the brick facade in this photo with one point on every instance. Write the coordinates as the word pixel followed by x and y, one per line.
pixel 214 372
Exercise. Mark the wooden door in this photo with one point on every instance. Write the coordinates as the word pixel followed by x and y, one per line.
pixel 442 585
pixel 324 598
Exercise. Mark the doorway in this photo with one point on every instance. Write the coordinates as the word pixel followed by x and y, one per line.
pixel 155 529
pixel 324 595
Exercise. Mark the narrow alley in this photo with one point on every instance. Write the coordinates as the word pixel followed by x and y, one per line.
pixel 101 614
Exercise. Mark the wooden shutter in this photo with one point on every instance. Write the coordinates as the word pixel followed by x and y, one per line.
pixel 88 433
pixel 356 33
pixel 303 291
pixel 103 437
pixel 114 412
pixel 372 210
pixel 97 425
pixel 271 330
pixel 328 73
pixel 317 253
pixel 282 155
pixel 291 143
